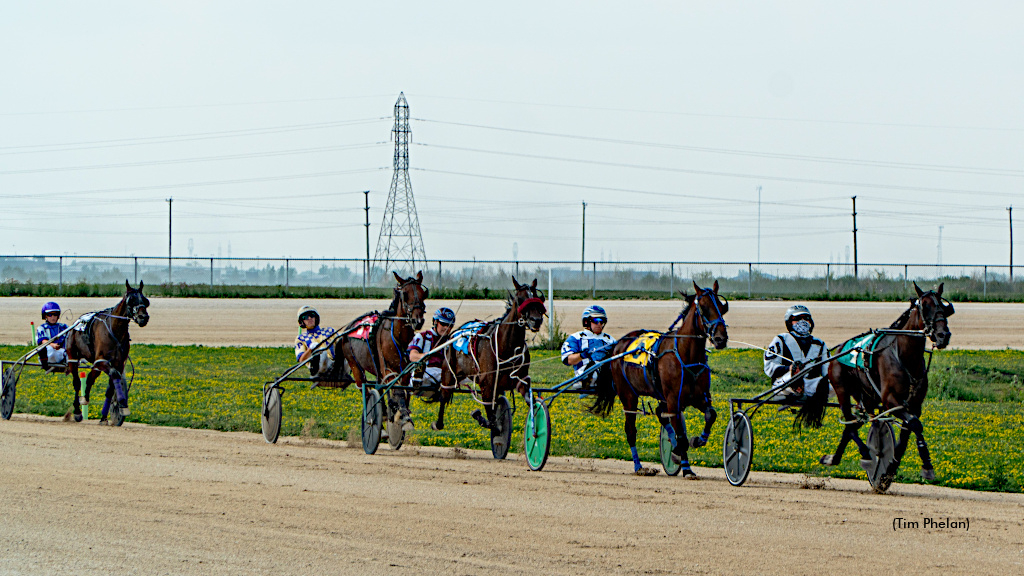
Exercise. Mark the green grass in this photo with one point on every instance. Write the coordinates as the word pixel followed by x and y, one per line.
pixel 974 420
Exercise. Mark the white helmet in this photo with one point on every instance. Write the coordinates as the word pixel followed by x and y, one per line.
pixel 305 310
pixel 798 310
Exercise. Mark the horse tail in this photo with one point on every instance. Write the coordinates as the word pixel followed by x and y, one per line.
pixel 812 413
pixel 604 400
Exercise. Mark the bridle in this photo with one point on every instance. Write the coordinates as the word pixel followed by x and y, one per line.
pixel 522 306
pixel 406 306
pixel 704 325
pixel 944 306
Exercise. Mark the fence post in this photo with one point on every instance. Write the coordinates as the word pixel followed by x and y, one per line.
pixel 287 265
pixel 440 276
pixel 60 269
pixel 671 279
pixel 517 268
pixel 211 272
pixel 904 277
pixel 551 304
pixel 828 276
pixel 985 293
pixel 750 272
pixel 593 285
pixel 136 270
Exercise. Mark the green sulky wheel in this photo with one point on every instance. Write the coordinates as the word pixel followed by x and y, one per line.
pixel 537 436
pixel 665 451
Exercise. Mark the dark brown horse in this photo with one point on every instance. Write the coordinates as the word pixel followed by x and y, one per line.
pixel 105 343
pixel 896 382
pixel 677 375
pixel 384 353
pixel 498 359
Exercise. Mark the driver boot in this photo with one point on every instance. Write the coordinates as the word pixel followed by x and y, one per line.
pixel 44 360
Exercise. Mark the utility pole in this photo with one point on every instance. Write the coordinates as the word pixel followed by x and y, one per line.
pixel 855 276
pixel 758 224
pixel 1010 210
pixel 366 263
pixel 583 241
pixel 170 214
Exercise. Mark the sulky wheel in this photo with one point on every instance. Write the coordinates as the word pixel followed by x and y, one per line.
pixel 116 416
pixel 270 417
pixel 373 416
pixel 738 449
pixel 396 435
pixel 882 445
pixel 8 392
pixel 501 433
pixel 537 436
pixel 665 451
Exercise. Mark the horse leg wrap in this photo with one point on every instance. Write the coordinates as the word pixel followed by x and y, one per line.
pixel 106 410
pixel 672 435
pixel 636 459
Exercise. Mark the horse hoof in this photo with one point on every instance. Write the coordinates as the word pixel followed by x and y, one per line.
pixel 646 472
pixel 826 460
pixel 928 473
pixel 78 417
pixel 697 442
pixel 436 426
pixel 690 474
pixel 408 426
pixel 126 412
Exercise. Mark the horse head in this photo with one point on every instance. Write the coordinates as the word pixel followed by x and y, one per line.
pixel 529 303
pixel 710 309
pixel 934 311
pixel 136 304
pixel 410 295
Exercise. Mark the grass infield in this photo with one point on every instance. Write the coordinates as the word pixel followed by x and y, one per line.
pixel 974 418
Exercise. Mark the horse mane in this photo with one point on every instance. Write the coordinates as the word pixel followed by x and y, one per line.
pixel 904 318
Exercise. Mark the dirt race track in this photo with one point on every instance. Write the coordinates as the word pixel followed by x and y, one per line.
pixel 88 499
pixel 271 322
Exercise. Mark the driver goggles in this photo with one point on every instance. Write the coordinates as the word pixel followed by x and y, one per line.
pixel 598 320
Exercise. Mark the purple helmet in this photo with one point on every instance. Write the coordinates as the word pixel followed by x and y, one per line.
pixel 50 307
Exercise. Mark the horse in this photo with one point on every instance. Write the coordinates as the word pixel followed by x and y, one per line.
pixel 105 343
pixel 498 358
pixel 677 375
pixel 389 339
pixel 900 371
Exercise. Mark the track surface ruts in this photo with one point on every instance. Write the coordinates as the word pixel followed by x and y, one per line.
pixel 88 499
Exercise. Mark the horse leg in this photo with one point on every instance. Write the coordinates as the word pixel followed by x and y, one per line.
pixel 487 391
pixel 447 385
pixel 850 432
pixel 629 405
pixel 400 408
pixel 911 424
pixel 120 390
pixel 106 402
pixel 710 415
pixel 76 405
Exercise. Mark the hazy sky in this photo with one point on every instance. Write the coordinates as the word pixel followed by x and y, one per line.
pixel 265 121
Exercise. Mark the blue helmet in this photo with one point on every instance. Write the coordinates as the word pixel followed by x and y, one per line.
pixel 50 307
pixel 445 315
pixel 594 312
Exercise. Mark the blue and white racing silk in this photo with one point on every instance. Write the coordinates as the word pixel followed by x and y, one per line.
pixel 308 339
pixel 47 331
pixel 598 345
pixel 464 334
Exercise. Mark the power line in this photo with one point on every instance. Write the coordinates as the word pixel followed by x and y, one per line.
pixel 188 106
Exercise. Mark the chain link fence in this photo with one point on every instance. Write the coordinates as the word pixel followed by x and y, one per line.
pixel 571 279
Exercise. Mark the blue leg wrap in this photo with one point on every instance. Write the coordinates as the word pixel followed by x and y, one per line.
pixel 685 464
pixel 672 435
pixel 636 459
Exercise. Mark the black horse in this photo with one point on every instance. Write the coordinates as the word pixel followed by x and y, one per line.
pixel 895 383
pixel 105 344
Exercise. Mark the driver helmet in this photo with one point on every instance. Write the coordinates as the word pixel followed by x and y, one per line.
pixel 444 315
pixel 797 311
pixel 593 312
pixel 50 307
pixel 308 310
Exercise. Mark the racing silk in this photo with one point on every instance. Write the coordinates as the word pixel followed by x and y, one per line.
pixel 47 331
pixel 308 339
pixel 424 342
pixel 586 340
pixel 787 348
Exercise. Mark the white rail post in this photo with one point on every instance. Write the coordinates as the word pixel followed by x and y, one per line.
pixel 551 306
